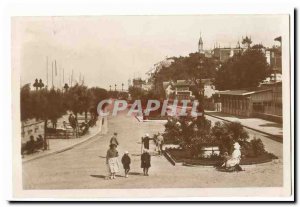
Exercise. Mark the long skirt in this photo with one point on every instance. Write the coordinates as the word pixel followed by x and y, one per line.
pixel 113 165
pixel 232 162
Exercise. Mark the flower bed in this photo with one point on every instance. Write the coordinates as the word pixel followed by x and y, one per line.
pixel 184 156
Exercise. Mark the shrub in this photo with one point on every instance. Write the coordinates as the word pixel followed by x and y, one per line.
pixel 227 133
pixel 257 146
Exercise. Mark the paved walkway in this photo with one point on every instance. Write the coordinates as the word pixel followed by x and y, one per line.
pixel 60 145
pixel 83 167
pixel 261 125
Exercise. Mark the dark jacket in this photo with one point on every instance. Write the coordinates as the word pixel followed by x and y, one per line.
pixel 145 160
pixel 146 140
pixel 126 161
pixel 112 153
pixel 114 140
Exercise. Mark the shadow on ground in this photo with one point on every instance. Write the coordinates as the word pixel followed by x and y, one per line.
pixel 270 125
pixel 105 176
pixel 219 114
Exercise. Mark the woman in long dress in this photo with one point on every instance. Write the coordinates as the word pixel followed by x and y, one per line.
pixel 145 162
pixel 235 157
pixel 112 160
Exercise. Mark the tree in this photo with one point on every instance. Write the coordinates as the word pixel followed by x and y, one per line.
pixel 136 92
pixel 42 105
pixel 97 95
pixel 243 70
pixel 195 66
pixel 26 103
pixel 78 99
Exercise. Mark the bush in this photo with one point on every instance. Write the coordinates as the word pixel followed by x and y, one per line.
pixel 257 146
pixel 227 133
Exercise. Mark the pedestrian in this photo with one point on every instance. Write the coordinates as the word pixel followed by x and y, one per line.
pixel 126 163
pixel 30 145
pixel 160 141
pixel 145 141
pixel 114 139
pixel 112 160
pixel 145 162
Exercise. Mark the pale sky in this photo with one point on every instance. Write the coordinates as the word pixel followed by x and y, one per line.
pixel 112 49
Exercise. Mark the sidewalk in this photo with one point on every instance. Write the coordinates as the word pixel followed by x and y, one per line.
pixel 60 145
pixel 256 124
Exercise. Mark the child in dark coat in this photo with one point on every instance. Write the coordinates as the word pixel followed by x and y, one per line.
pixel 126 163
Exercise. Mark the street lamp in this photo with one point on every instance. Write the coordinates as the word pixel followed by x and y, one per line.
pixel 36 84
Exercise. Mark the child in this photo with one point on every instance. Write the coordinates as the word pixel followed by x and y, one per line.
pixel 145 162
pixel 126 163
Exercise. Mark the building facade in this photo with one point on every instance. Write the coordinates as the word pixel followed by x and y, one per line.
pixel 265 102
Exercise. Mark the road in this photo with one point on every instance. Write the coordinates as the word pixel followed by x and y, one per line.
pixel 83 167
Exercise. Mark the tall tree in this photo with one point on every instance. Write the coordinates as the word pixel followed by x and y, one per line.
pixel 243 70
pixel 78 99
pixel 97 95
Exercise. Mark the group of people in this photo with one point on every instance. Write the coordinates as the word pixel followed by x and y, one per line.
pixel 73 123
pixel 112 157
pixel 159 140
pixel 33 145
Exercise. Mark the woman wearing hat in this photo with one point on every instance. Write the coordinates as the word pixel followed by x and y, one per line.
pixel 145 141
pixel 145 162
pixel 112 160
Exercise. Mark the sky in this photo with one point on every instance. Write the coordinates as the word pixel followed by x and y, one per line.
pixel 108 50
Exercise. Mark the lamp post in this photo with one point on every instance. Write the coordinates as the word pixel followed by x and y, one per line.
pixel 36 84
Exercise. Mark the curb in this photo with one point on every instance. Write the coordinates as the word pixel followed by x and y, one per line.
pixel 169 158
pixel 276 138
pixel 64 149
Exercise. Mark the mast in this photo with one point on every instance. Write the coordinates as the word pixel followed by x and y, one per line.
pixel 52 74
pixel 47 71
pixel 72 78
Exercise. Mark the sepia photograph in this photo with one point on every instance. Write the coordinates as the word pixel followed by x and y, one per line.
pixel 151 105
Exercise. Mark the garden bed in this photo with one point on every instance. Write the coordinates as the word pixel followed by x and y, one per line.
pixel 182 156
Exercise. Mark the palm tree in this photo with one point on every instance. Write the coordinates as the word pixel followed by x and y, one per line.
pixel 115 87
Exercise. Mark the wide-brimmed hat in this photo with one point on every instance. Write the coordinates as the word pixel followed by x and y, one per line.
pixel 126 152
pixel 147 135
